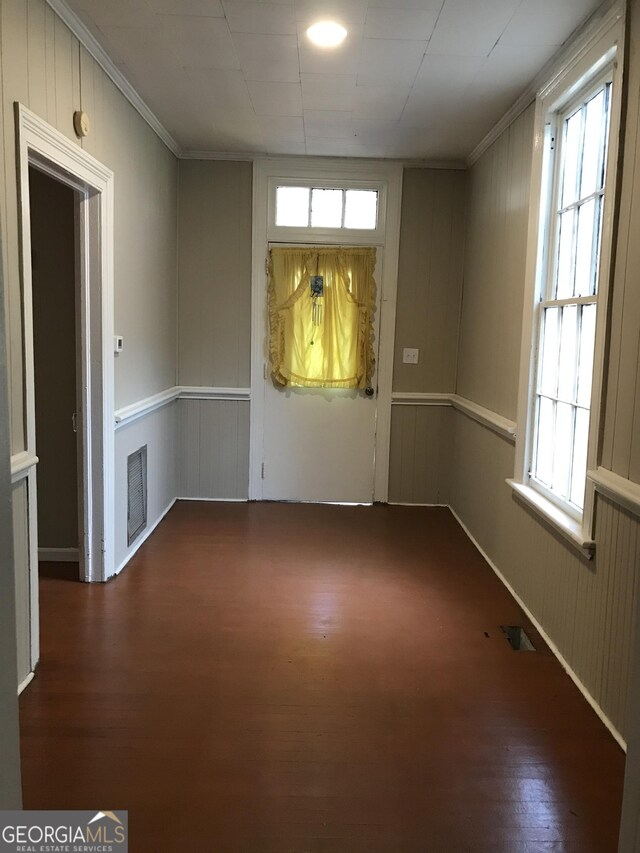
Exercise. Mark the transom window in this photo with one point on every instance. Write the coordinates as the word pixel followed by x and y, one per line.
pixel 326 207
pixel 568 298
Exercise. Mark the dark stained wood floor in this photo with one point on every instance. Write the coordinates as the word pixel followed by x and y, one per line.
pixel 273 678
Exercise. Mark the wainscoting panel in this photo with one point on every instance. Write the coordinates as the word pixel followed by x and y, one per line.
pixel 213 442
pixel 419 454
pixel 159 432
pixel 585 606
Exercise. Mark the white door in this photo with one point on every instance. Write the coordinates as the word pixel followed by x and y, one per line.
pixel 319 443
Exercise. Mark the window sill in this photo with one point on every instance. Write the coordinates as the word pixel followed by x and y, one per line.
pixel 561 521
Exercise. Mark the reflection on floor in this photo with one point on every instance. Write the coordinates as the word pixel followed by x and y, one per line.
pixel 278 677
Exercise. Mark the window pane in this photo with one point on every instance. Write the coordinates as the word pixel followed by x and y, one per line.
pixel 550 353
pixel 579 472
pixel 562 449
pixel 571 158
pixel 565 276
pixel 592 171
pixel 568 353
pixel 326 208
pixel 584 249
pixel 292 206
pixel 585 365
pixel 544 442
pixel 361 209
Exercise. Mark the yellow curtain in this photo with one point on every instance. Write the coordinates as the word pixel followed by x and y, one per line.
pixel 324 341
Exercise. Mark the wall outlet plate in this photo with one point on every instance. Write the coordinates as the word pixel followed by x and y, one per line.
pixel 410 355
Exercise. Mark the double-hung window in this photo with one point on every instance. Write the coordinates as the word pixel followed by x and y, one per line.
pixel 568 273
pixel 568 300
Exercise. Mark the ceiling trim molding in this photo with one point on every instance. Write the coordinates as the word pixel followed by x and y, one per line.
pixel 606 16
pixel 248 156
pixel 91 44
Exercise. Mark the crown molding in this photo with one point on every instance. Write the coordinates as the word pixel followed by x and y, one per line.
pixel 606 16
pixel 91 44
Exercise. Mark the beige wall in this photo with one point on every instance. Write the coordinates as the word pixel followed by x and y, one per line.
pixel 427 317
pixel 494 267
pixel 54 347
pixel 420 454
pixel 586 607
pixel 215 273
pixel 43 66
pixel 429 278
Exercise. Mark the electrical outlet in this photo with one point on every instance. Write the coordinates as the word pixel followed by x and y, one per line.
pixel 410 356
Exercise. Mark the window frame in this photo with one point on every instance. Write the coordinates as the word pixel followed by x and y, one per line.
pixel 595 57
pixel 350 236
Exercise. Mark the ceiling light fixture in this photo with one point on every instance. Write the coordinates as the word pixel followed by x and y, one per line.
pixel 327 34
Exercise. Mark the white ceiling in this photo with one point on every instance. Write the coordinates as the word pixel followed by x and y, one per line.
pixel 414 79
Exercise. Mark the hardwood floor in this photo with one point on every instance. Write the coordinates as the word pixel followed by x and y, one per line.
pixel 277 678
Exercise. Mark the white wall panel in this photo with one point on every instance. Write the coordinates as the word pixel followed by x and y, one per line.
pixel 159 432
pixel 214 449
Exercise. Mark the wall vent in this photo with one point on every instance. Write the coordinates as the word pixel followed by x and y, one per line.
pixel 136 493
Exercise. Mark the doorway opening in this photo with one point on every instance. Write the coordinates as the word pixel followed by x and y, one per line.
pixel 86 186
pixel 58 401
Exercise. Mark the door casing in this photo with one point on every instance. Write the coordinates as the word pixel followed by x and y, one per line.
pixel 387 177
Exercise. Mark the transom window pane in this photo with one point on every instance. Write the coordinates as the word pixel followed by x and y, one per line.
pixel 292 206
pixel 322 207
pixel 361 209
pixel 568 304
pixel 326 208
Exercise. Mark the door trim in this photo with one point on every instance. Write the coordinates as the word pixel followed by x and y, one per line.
pixel 375 172
pixel 45 148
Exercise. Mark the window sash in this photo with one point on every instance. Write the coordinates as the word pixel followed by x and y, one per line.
pixel 549 285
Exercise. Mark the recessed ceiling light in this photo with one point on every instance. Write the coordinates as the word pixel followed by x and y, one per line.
pixel 327 34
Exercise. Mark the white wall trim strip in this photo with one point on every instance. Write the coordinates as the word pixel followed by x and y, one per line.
pixel 217 500
pixel 581 687
pixel 21 464
pixel 502 426
pixel 25 681
pixel 619 489
pixel 417 398
pixel 91 44
pixel 59 555
pixel 204 392
pixel 133 412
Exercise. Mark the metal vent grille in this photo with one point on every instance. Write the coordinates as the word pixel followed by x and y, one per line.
pixel 136 493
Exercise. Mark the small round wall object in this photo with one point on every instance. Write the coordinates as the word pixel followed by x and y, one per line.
pixel 81 123
pixel 369 391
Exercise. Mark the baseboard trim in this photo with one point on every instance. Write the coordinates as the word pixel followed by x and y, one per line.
pixel 217 500
pixel 140 542
pixel 25 682
pixel 409 503
pixel 558 655
pixel 58 555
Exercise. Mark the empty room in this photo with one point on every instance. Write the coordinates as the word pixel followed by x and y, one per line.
pixel 320 426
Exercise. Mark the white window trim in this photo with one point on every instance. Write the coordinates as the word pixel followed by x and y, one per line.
pixel 599 46
pixel 347 236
